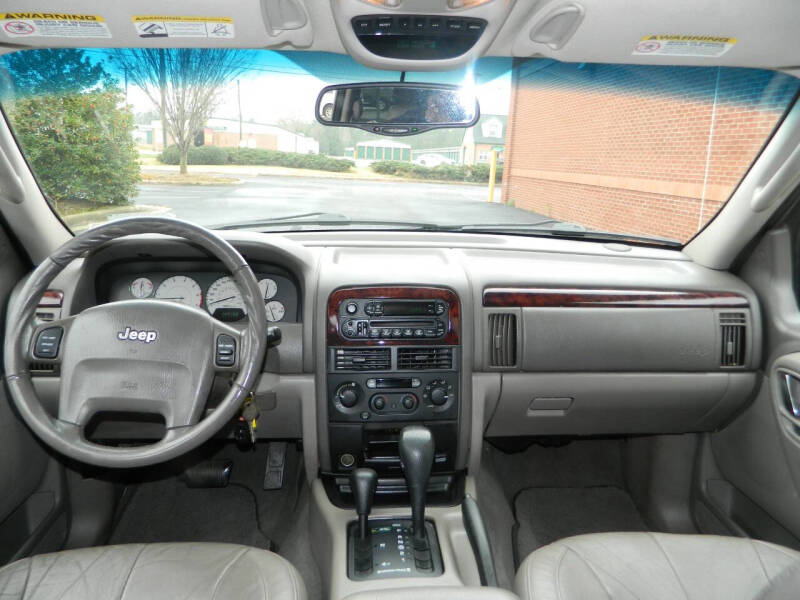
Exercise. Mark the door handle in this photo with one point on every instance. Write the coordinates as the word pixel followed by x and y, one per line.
pixel 791 394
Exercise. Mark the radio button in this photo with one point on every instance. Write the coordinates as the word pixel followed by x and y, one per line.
pixel 408 332
pixel 386 332
pixel 419 333
pixel 396 333
pixel 374 333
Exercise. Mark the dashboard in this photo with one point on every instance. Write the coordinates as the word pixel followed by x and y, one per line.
pixel 511 336
pixel 200 286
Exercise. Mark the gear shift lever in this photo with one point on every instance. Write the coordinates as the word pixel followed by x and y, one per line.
pixel 363 483
pixel 416 456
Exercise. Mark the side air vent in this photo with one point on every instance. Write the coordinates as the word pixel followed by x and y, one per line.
pixel 38 368
pixel 502 340
pixel 425 358
pixel 363 359
pixel 733 329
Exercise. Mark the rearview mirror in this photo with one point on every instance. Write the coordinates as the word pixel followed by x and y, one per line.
pixel 397 108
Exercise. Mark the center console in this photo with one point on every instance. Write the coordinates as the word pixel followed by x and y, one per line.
pixel 393 366
pixel 393 359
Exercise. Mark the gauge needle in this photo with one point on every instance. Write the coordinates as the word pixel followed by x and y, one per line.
pixel 173 298
pixel 272 313
pixel 223 299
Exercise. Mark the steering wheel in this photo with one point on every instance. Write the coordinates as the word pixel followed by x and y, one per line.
pixel 137 356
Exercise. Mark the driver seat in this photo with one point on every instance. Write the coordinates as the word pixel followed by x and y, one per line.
pixel 191 571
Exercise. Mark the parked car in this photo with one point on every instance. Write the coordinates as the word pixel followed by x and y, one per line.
pixel 433 160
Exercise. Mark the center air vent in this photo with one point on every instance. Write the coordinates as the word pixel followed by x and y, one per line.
pixel 425 358
pixel 502 340
pixel 363 359
pixel 733 327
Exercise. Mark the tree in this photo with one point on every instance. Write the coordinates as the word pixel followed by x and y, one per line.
pixel 79 145
pixel 54 71
pixel 183 84
pixel 70 120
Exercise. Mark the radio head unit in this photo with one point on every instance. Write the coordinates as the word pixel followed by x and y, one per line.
pixel 373 318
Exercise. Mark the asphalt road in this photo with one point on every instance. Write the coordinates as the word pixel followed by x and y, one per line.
pixel 267 197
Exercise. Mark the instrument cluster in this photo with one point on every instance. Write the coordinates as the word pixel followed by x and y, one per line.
pixel 215 292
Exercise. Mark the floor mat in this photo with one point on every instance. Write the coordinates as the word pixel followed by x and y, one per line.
pixel 545 515
pixel 168 511
pixel 163 509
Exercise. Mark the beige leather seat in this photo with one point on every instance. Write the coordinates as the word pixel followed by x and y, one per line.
pixel 153 572
pixel 657 566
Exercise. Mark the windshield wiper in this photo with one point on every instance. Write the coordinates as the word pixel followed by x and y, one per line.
pixel 568 230
pixel 276 220
pixel 330 219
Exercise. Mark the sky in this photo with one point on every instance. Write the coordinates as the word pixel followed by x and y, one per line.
pixel 285 85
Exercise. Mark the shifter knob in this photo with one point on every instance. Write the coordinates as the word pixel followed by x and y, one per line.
pixel 416 456
pixel 363 483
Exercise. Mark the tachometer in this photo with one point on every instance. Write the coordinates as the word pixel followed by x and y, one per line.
pixel 275 311
pixel 182 289
pixel 141 287
pixel 268 287
pixel 224 299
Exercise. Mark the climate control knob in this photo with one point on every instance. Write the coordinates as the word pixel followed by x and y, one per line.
pixel 438 394
pixel 409 402
pixel 347 394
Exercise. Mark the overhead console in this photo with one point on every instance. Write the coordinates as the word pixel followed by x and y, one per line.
pixel 418 35
pixel 394 359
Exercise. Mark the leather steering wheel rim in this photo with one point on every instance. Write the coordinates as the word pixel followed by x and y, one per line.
pixel 67 438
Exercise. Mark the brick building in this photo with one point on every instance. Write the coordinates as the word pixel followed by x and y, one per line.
pixel 638 149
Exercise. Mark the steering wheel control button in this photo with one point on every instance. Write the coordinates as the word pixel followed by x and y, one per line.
pixel 47 342
pixel 226 351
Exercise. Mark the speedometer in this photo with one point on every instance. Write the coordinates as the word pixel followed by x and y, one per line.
pixel 181 289
pixel 224 300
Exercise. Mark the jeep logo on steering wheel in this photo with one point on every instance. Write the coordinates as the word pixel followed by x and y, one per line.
pixel 146 336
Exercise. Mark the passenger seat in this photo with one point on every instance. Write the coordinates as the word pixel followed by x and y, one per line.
pixel 659 566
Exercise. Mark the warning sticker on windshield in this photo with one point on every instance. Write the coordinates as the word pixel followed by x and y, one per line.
pixel 685 45
pixel 161 26
pixel 46 24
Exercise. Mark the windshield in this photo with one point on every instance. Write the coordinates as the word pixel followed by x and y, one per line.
pixel 228 139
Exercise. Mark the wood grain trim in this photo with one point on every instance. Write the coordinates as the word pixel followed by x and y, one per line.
pixel 451 338
pixel 544 297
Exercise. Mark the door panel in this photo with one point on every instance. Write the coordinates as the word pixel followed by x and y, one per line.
pixel 758 454
pixel 23 461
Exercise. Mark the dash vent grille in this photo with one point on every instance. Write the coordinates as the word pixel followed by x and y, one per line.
pixel 363 359
pixel 733 331
pixel 502 340
pixel 425 358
